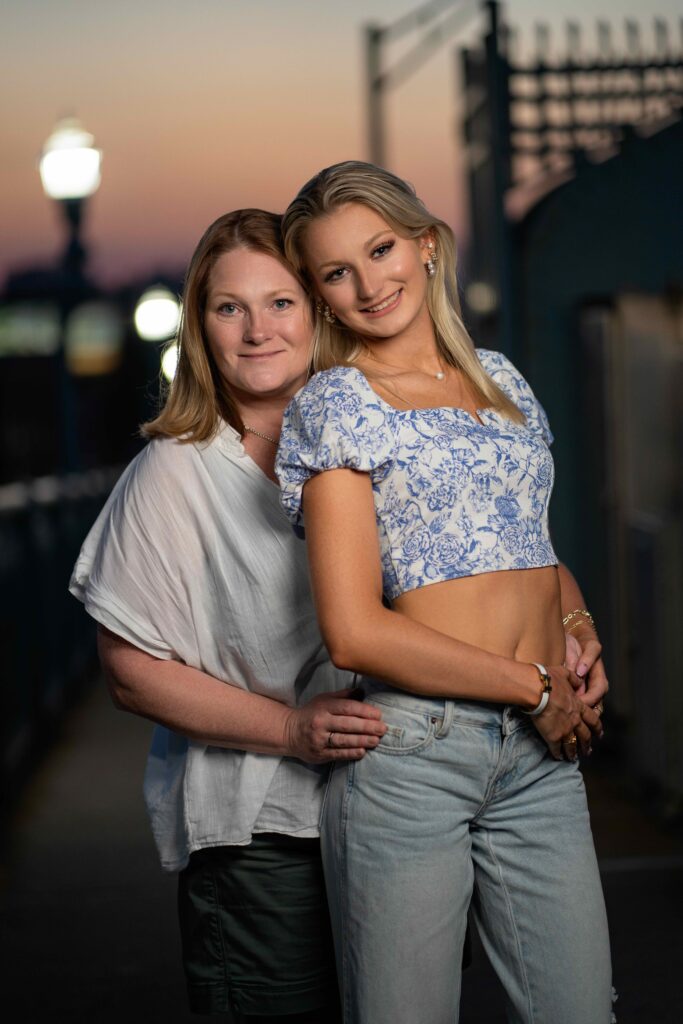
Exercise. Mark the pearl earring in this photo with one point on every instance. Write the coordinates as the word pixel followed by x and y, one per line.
pixel 324 309
pixel 433 259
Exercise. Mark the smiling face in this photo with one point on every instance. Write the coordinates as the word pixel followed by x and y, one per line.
pixel 373 279
pixel 258 324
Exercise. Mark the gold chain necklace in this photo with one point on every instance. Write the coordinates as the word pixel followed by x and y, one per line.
pixel 266 437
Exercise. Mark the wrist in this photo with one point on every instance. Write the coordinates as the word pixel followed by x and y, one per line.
pixel 531 687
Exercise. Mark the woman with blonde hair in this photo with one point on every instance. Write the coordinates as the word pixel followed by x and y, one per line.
pixel 420 467
pixel 207 628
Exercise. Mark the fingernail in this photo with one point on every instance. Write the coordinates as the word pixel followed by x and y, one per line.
pixel 580 671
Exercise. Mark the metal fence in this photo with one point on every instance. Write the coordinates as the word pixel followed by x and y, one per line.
pixel 46 640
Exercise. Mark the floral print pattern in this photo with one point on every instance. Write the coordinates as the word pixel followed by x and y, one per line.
pixel 453 496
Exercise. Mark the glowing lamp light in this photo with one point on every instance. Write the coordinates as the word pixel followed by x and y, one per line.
pixel 482 298
pixel 70 163
pixel 93 339
pixel 157 315
pixel 169 362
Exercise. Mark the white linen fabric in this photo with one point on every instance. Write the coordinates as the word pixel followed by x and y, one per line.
pixel 191 558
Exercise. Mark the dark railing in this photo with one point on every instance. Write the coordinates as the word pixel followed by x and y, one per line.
pixel 47 643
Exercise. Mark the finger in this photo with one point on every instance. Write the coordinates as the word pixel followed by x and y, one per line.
pixel 345 740
pixel 570 747
pixel 354 724
pixel 572 652
pixel 592 719
pixel 556 750
pixel 589 655
pixel 354 709
pixel 350 754
pixel 597 684
pixel 584 739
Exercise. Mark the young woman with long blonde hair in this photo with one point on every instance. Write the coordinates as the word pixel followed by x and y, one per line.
pixel 420 468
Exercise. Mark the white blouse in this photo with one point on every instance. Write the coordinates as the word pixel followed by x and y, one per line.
pixel 191 558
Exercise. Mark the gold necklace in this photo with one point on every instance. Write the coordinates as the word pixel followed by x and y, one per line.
pixel 266 437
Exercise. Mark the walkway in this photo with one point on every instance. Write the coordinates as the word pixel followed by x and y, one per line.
pixel 88 920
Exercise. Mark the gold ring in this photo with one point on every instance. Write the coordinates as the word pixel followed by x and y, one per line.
pixel 571 740
pixel 599 708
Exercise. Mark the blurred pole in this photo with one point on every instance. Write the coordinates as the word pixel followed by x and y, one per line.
pixel 70 172
pixel 373 51
pixel 498 89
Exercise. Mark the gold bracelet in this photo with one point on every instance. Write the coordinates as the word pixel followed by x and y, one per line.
pixel 576 625
pixel 578 611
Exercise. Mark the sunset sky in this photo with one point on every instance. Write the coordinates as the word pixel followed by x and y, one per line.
pixel 204 107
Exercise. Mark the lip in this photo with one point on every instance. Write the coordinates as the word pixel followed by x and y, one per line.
pixel 261 355
pixel 373 314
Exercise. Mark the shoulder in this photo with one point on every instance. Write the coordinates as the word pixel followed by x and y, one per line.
pixel 335 396
pixel 505 374
pixel 155 480
pixel 498 366
pixel 508 378
pixel 338 382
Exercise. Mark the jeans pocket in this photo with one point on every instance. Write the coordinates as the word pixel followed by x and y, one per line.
pixel 408 731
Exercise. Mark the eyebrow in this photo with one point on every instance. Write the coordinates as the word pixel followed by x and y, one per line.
pixel 221 294
pixel 368 245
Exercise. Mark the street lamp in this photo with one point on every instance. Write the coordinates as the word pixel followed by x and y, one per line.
pixel 70 173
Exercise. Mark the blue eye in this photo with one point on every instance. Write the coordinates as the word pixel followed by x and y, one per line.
pixel 229 308
pixel 283 303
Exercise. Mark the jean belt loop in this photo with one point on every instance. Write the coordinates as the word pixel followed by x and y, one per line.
pixel 446 722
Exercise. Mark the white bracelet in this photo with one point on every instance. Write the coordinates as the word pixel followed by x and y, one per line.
pixel 547 687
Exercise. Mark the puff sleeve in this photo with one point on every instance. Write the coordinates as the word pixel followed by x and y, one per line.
pixel 335 422
pixel 510 380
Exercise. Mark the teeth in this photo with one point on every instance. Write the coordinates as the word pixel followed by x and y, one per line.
pixel 382 305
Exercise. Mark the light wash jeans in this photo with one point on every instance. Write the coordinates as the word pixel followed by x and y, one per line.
pixel 462 801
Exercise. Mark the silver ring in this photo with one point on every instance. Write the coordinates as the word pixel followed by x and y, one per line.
pixel 330 744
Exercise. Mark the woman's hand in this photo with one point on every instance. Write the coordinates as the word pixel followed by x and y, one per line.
pixel 583 656
pixel 333 727
pixel 567 724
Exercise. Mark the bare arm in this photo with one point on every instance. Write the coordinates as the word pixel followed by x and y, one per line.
pixel 583 646
pixel 203 708
pixel 363 635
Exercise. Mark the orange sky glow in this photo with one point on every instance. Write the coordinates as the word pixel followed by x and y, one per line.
pixel 205 108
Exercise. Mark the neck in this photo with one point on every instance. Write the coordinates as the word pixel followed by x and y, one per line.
pixel 263 412
pixel 413 349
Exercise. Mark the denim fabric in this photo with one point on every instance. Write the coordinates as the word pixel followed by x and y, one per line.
pixel 462 801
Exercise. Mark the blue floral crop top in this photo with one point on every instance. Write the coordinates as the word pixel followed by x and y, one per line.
pixel 453 497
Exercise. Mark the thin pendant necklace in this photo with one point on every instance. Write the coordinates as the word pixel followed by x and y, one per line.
pixel 409 369
pixel 266 437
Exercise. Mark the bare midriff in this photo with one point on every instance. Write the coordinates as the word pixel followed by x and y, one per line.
pixel 515 613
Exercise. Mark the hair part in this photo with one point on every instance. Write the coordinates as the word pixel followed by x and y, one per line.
pixel 396 202
pixel 199 398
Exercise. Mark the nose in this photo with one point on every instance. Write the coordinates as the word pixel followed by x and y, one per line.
pixel 256 327
pixel 366 285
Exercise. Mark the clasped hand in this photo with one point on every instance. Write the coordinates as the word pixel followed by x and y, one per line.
pixel 333 727
pixel 567 725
